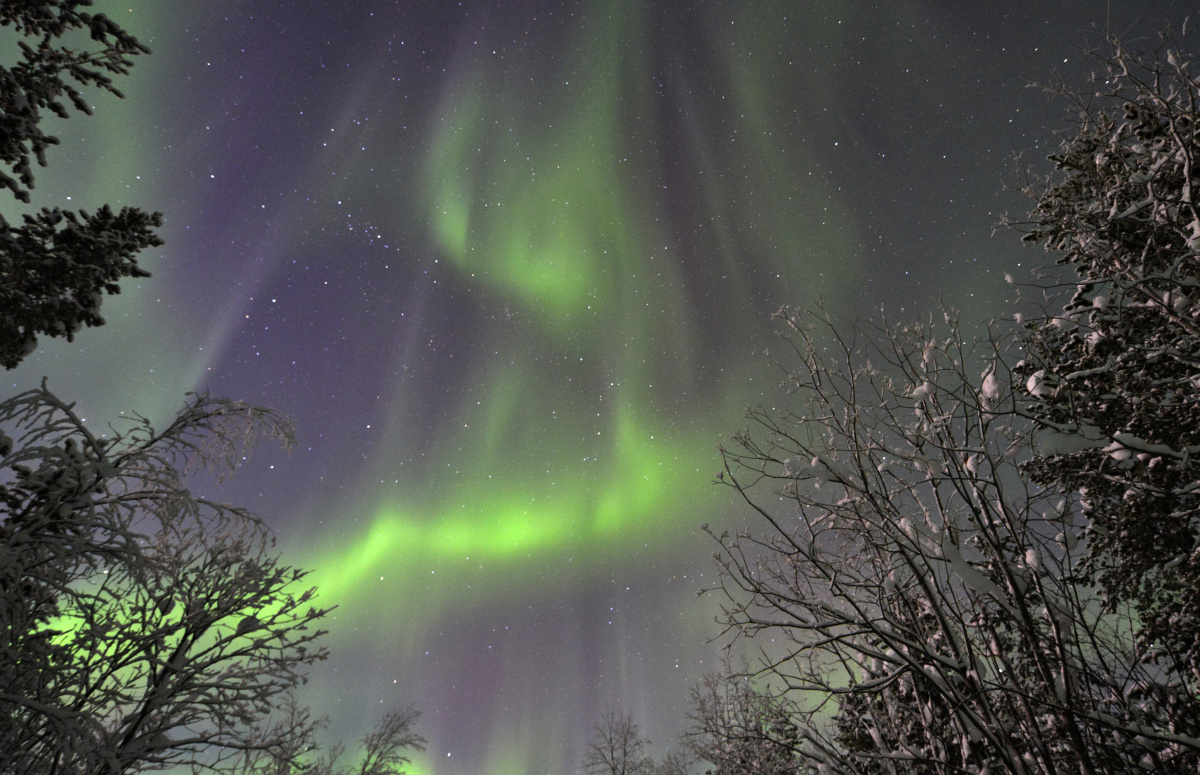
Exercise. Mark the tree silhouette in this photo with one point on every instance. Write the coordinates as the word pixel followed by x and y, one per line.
pixel 56 267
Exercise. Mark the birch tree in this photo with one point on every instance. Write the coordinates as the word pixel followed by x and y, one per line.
pixel 146 626
pixel 617 748
pixel 739 729
pixel 919 599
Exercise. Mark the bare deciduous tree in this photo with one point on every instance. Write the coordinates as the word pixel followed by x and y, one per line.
pixel 617 748
pixel 923 595
pixel 384 751
pixel 738 729
pixel 145 626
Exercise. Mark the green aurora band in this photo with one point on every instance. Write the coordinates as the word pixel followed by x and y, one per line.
pixel 550 200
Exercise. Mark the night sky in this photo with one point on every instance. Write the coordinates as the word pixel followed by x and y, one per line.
pixel 509 265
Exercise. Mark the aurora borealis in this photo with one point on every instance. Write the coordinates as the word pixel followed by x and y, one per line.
pixel 510 265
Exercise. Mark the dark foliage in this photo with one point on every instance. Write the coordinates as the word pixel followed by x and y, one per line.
pixel 1113 368
pixel 56 267
pixel 50 75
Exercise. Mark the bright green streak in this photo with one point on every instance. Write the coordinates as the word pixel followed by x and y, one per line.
pixel 652 485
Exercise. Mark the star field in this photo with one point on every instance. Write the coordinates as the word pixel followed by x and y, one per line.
pixel 510 267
